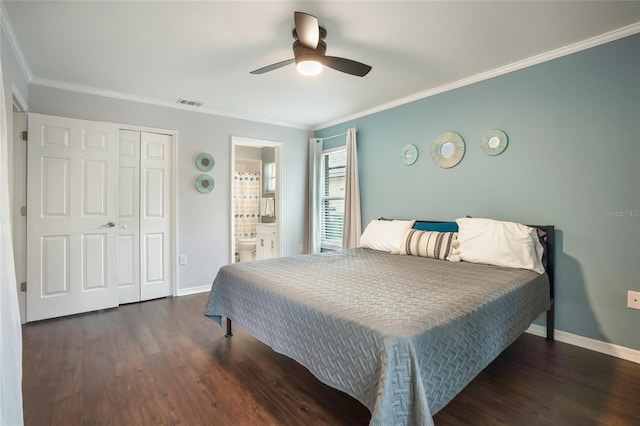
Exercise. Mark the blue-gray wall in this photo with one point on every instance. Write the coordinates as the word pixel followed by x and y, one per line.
pixel 573 161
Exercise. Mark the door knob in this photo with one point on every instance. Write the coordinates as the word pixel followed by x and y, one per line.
pixel 109 225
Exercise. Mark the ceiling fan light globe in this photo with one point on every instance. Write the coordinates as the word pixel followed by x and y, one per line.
pixel 309 67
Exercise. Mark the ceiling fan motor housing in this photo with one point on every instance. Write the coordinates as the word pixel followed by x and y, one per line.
pixel 302 53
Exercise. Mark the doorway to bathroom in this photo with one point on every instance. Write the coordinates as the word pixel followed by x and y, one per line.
pixel 256 200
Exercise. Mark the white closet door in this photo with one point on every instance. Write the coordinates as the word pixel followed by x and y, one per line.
pixel 129 217
pixel 72 200
pixel 156 155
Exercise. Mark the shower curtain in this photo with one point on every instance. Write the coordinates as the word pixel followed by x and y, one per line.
pixel 247 190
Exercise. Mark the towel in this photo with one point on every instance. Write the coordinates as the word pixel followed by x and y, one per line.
pixel 267 207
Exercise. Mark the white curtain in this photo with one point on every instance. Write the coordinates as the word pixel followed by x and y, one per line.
pixel 352 226
pixel 246 191
pixel 10 331
pixel 315 154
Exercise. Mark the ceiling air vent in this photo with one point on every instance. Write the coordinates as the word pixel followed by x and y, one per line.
pixel 189 103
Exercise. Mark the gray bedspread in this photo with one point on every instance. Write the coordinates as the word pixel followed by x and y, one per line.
pixel 402 334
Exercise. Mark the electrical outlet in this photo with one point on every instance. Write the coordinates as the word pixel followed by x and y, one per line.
pixel 633 299
pixel 183 259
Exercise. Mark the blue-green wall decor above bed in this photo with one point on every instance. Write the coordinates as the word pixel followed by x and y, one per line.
pixel 573 161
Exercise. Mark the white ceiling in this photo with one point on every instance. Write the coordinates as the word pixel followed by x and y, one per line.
pixel 161 51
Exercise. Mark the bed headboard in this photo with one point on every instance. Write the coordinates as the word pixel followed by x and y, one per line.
pixel 550 251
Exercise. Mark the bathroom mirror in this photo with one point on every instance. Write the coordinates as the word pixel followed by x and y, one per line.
pixel 448 149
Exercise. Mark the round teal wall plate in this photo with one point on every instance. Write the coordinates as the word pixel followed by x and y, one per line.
pixel 494 142
pixel 205 162
pixel 409 154
pixel 204 184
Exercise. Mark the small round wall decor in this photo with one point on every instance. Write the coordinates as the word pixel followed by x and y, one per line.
pixel 494 142
pixel 448 149
pixel 409 154
pixel 205 162
pixel 204 184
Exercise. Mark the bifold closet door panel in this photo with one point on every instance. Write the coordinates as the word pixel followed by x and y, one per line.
pixel 156 156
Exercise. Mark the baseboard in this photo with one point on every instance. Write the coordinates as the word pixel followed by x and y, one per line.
pixel 194 290
pixel 587 343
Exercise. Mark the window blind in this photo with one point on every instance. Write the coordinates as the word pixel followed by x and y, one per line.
pixel 334 165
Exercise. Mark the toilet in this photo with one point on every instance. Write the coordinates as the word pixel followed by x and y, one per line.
pixel 246 247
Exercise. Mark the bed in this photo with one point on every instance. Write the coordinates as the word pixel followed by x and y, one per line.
pixel 402 334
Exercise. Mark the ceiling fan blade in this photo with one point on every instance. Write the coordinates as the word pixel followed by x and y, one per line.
pixel 347 66
pixel 273 66
pixel 307 29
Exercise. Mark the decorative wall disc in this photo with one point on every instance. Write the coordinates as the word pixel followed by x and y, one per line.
pixel 494 142
pixel 205 184
pixel 205 162
pixel 409 154
pixel 448 149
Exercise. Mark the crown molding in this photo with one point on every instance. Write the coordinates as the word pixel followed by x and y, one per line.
pixel 153 101
pixel 525 63
pixel 534 60
pixel 13 41
pixel 26 69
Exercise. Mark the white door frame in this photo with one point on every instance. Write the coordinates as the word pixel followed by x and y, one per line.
pixel 256 143
pixel 19 197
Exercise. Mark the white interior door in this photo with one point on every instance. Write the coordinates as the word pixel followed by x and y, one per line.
pixel 156 204
pixel 72 200
pixel 129 217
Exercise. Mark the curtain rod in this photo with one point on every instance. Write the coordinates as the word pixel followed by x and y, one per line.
pixel 335 136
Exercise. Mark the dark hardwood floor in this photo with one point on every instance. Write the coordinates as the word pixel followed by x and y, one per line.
pixel 164 363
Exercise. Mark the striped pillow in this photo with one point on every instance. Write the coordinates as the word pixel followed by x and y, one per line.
pixel 437 245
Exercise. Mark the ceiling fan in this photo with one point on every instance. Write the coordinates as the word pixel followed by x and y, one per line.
pixel 309 51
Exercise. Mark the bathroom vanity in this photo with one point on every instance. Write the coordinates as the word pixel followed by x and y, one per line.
pixel 266 241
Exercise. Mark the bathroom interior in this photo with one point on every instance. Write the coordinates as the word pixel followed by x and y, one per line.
pixel 254 191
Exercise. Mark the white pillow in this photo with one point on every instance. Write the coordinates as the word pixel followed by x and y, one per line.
pixel 385 235
pixel 499 243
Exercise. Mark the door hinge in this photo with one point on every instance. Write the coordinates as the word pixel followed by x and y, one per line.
pixel 23 287
pixel 24 135
pixel 23 211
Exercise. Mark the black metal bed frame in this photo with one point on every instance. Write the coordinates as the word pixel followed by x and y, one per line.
pixel 550 269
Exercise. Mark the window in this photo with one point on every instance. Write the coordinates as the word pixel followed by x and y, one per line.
pixel 334 163
pixel 270 177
